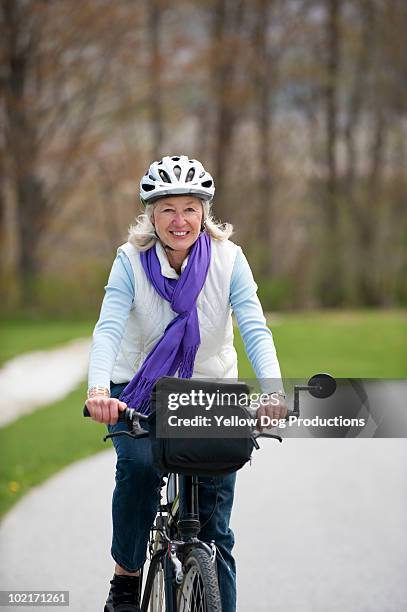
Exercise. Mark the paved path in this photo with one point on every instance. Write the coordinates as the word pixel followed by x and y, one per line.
pixel 23 378
pixel 321 526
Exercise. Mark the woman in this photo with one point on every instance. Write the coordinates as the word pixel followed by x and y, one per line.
pixel 177 267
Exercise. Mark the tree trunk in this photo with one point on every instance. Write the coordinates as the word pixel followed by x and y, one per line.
pixel 264 72
pixel 332 281
pixel 154 18
pixel 227 21
pixel 21 137
pixel 332 112
pixel 361 66
pixel 3 219
pixel 370 218
pixel 356 96
pixel 32 205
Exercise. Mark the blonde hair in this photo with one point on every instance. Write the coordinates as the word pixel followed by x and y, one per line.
pixel 142 234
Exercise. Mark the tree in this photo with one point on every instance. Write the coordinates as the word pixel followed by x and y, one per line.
pixel 264 72
pixel 154 8
pixel 331 289
pixel 228 20
pixel 57 57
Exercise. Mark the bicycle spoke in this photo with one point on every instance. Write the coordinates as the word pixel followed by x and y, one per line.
pixel 198 595
pixel 157 599
pixel 194 596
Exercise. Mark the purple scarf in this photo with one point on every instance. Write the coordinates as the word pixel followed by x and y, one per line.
pixel 177 348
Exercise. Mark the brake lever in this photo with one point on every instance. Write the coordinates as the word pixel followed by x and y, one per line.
pixel 136 429
pixel 266 435
pixel 142 434
pixel 290 413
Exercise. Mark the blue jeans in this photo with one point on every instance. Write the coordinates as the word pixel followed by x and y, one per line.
pixel 135 503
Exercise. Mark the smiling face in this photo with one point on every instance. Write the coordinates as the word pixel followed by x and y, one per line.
pixel 178 221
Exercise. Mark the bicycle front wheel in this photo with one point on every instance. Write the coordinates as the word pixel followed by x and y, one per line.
pixel 155 593
pixel 199 591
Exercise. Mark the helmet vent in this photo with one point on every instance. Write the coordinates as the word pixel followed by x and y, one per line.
pixel 164 176
pixel 174 175
pixel 190 175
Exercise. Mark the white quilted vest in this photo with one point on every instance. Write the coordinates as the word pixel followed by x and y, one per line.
pixel 150 315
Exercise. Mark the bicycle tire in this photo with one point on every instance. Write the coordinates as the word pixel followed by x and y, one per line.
pixel 199 591
pixel 155 594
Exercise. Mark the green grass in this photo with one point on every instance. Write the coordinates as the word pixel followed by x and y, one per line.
pixel 19 336
pixel 38 445
pixel 346 344
pixel 359 344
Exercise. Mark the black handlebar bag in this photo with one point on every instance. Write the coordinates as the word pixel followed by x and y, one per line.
pixel 200 426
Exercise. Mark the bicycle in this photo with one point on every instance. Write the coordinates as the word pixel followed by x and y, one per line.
pixel 182 574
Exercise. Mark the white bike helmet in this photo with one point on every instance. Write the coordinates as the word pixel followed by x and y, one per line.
pixel 176 175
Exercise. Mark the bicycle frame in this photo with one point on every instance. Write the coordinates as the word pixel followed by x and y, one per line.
pixel 164 547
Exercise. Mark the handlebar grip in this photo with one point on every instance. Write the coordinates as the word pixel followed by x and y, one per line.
pixel 123 414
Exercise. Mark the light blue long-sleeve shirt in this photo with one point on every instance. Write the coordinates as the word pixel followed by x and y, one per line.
pixel 119 295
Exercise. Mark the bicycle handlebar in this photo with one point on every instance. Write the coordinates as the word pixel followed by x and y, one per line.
pixel 319 386
pixel 133 419
pixel 125 416
pixel 128 415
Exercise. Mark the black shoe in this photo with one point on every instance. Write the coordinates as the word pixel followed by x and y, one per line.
pixel 124 594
